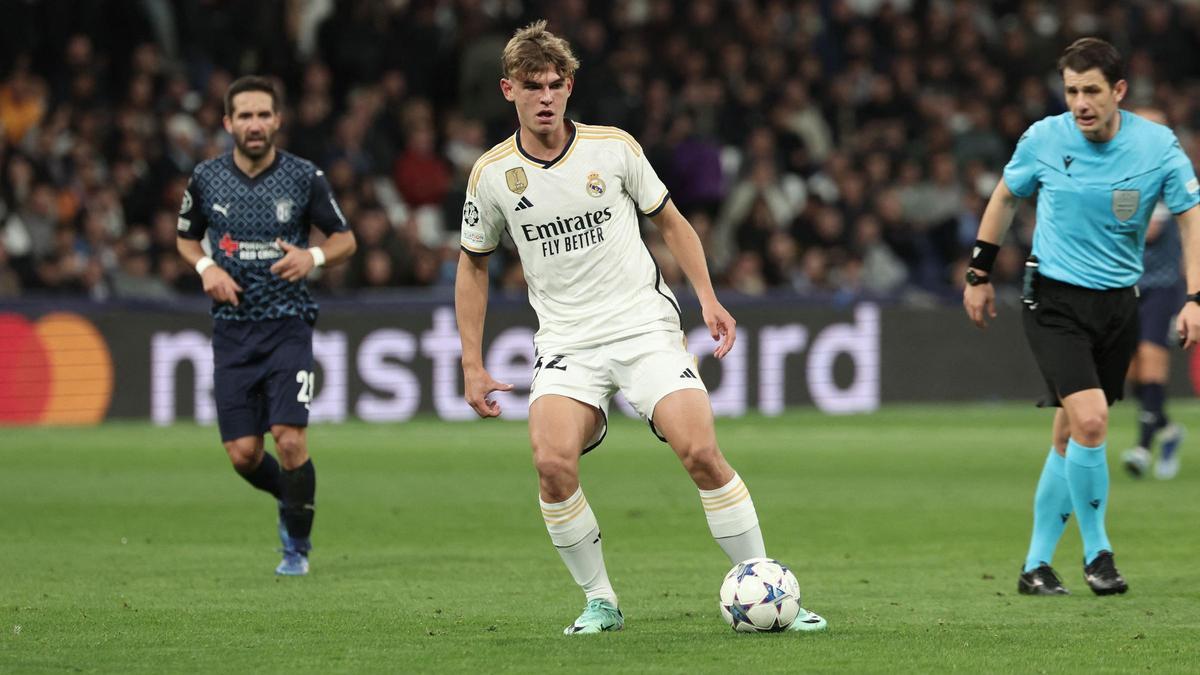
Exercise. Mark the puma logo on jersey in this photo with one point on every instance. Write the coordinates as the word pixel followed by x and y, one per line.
pixel 223 210
pixel 688 374
pixel 523 204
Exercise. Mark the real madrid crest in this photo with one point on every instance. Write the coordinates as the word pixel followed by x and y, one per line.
pixel 595 186
pixel 517 182
pixel 283 210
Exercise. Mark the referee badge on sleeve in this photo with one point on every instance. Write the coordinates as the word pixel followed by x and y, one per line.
pixel 1125 203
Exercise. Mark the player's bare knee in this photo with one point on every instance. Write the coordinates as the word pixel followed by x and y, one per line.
pixel 552 465
pixel 701 459
pixel 292 448
pixel 245 455
pixel 1090 429
pixel 558 474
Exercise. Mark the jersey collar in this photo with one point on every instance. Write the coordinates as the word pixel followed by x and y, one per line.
pixel 241 175
pixel 546 164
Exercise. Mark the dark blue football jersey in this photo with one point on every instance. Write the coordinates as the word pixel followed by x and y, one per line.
pixel 244 216
pixel 1163 258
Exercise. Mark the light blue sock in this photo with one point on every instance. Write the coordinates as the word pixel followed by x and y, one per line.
pixel 1087 476
pixel 1051 510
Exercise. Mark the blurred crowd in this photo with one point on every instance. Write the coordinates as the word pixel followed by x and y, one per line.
pixel 831 148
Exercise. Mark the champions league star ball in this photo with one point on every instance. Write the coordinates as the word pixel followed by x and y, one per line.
pixel 760 595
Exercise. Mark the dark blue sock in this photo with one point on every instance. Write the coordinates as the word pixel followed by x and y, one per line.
pixel 1152 418
pixel 299 491
pixel 1051 510
pixel 265 476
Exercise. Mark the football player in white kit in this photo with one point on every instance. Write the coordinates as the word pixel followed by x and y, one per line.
pixel 570 195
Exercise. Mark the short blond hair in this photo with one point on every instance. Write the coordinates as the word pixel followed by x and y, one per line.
pixel 533 49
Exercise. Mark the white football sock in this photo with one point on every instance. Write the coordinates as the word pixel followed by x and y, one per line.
pixel 733 521
pixel 576 534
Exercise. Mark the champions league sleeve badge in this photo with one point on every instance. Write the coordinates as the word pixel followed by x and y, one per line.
pixel 470 214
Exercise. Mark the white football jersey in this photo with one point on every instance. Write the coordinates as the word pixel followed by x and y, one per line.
pixel 574 220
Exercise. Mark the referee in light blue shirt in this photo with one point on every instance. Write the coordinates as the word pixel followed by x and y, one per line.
pixel 1098 172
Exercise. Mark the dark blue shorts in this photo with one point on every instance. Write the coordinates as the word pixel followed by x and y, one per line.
pixel 1156 308
pixel 263 375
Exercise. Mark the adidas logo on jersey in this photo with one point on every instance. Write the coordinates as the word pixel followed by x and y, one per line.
pixel 688 374
pixel 523 204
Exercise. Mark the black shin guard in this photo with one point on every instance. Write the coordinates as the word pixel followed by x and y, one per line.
pixel 266 476
pixel 299 489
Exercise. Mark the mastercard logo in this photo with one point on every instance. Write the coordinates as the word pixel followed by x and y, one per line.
pixel 56 370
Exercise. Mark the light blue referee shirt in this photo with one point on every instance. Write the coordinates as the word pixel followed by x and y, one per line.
pixel 1095 199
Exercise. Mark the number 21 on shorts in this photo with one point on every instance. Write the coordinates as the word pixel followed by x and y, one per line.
pixel 307 380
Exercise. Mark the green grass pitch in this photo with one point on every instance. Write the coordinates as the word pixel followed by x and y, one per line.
pixel 127 548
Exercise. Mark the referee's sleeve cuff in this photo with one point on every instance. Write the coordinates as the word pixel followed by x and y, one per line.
pixel 1189 208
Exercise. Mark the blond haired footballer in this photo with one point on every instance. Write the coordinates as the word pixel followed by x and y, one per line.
pixel 571 195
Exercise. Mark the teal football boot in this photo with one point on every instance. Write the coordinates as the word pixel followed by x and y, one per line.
pixel 599 616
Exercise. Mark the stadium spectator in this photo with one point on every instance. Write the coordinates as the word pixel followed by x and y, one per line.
pixel 421 175
pixel 904 111
pixel 22 105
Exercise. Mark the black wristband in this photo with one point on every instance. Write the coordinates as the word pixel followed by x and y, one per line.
pixel 1194 297
pixel 983 256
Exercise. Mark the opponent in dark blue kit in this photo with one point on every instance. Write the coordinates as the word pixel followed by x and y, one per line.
pixel 256 205
pixel 1098 172
pixel 1162 292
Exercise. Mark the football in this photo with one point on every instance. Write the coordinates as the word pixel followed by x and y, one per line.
pixel 760 595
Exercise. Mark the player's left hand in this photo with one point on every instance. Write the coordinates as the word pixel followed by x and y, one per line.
pixel 295 264
pixel 721 326
pixel 1188 325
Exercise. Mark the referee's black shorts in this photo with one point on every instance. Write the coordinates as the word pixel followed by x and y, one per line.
pixel 1082 338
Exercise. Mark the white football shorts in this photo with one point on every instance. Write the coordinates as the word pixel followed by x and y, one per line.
pixel 645 368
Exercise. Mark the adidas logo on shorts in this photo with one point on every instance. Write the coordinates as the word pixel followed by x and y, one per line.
pixel 688 374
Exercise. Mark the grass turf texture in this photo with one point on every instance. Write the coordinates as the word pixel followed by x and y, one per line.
pixel 135 549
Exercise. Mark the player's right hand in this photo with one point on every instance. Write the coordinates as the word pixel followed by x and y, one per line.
pixel 1188 325
pixel 220 286
pixel 478 385
pixel 980 303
